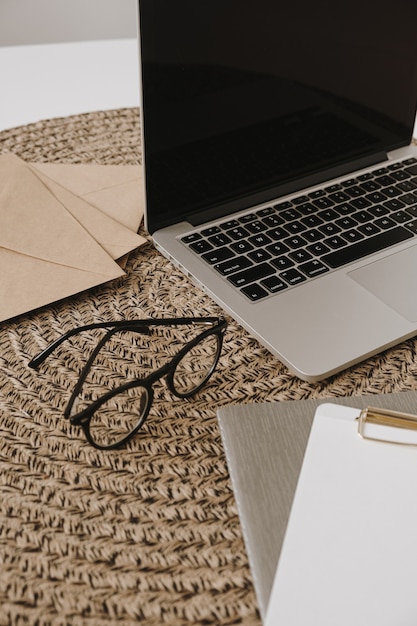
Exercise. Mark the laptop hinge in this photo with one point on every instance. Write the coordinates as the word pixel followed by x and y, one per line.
pixel 244 202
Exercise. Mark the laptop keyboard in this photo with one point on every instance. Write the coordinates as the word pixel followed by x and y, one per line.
pixel 283 245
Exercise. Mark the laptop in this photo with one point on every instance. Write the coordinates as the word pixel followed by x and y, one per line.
pixel 280 174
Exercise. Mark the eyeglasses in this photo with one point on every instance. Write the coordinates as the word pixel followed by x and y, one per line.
pixel 111 411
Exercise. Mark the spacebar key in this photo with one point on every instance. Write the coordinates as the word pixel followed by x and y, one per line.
pixel 368 246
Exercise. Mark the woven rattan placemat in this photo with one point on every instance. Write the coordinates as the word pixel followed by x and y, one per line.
pixel 149 533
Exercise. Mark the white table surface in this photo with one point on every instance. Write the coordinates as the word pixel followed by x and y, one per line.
pixel 57 80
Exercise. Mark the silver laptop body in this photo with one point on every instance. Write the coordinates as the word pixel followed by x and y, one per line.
pixel 274 117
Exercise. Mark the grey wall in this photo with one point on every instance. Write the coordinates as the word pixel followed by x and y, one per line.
pixel 52 21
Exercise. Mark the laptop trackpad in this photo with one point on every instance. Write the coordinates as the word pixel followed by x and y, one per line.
pixel 393 280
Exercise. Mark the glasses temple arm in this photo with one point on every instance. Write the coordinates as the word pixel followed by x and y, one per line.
pixel 40 358
pixel 138 325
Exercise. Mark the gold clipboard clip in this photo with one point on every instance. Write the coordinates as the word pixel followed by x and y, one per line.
pixel 385 417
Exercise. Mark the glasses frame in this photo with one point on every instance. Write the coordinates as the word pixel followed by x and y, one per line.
pixel 217 326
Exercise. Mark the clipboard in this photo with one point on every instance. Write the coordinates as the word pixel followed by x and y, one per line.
pixel 349 554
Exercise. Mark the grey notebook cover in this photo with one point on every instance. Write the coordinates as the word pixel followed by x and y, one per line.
pixel 264 445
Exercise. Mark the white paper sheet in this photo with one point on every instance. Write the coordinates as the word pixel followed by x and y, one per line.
pixel 350 551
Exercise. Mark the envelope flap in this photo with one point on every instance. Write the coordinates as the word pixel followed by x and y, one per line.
pixel 112 235
pixel 86 178
pixel 33 222
pixel 116 190
pixel 29 283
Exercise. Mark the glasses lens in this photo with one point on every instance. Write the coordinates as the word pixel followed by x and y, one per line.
pixel 196 366
pixel 119 417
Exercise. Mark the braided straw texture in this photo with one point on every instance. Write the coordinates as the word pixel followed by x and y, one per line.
pixel 149 533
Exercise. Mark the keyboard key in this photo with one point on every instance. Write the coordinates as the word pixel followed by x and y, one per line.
pixel 345 208
pixel 295 227
pixel 283 205
pixel 401 175
pixel 355 191
pixel 323 203
pixel 273 220
pixel 229 224
pixel 329 215
pixel 259 255
pixel 313 235
pixel 362 216
pixel 249 217
pixel 318 193
pixel 352 236
pixel 333 188
pixel 314 268
pixel 219 240
pixel 318 249
pixel 369 229
pixel 311 221
pixel 191 238
pixel 412 210
pixel 361 203
pixel 335 242
pixel 392 191
pixel 265 212
pixel 201 246
pixel 346 222
pixel 277 248
pixel 207 232
pixel 282 262
pixel 367 246
pixel 295 242
pixel 256 227
pixel 339 196
pixel 300 200
pixel 293 277
pixel 408 185
pixel 408 198
pixel 251 275
pixel 234 265
pixel 385 222
pixel 254 292
pixel 241 247
pixel 274 284
pixel 218 255
pixel 412 170
pixel 299 256
pixel 382 171
pixel 385 180
pixel 277 233
pixel 412 226
pixel 371 185
pixel 238 233
pixel 260 240
pixel 379 210
pixel 330 229
pixel 290 214
pixel 349 182
pixel 307 208
pixel 365 176
pixel 400 217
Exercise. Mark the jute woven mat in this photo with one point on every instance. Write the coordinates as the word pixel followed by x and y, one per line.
pixel 149 533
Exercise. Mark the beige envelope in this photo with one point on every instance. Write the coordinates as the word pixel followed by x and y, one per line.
pixel 117 190
pixel 45 254
pixel 115 238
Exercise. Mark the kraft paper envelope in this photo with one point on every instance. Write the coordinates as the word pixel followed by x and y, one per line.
pixel 117 190
pixel 115 238
pixel 45 254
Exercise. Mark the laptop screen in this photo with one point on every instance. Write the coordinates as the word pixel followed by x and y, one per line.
pixel 246 101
